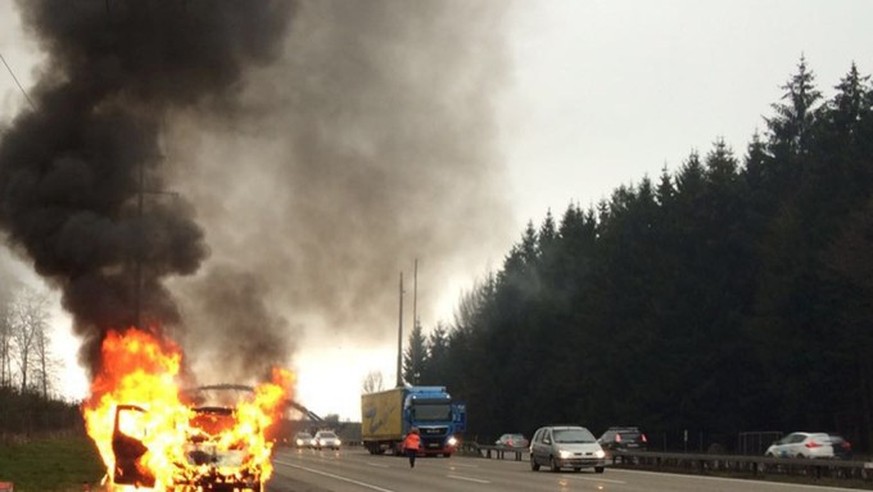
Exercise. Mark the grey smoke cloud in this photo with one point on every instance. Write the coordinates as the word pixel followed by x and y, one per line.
pixel 372 142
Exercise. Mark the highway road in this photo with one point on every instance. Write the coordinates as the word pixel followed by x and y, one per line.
pixel 354 470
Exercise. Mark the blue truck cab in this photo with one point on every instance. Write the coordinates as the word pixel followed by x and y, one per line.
pixel 439 420
pixel 387 416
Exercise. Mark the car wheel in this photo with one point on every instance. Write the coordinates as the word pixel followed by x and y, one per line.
pixel 576 469
pixel 598 469
pixel 553 464
pixel 800 456
pixel 534 466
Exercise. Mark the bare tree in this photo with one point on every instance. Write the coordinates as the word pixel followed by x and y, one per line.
pixel 30 316
pixel 5 341
pixel 373 382
pixel 46 365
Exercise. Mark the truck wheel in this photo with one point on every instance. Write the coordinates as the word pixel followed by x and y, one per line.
pixel 598 469
pixel 534 466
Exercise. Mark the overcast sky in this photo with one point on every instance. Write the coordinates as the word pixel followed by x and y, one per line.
pixel 606 92
pixel 598 94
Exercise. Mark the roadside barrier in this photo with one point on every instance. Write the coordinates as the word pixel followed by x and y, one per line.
pixel 812 470
pixel 500 452
pixel 745 465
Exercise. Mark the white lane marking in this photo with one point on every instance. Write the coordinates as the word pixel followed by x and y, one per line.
pixel 377 465
pixel 762 483
pixel 454 465
pixel 469 479
pixel 335 477
pixel 604 480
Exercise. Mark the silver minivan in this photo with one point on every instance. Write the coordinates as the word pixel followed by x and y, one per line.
pixel 566 446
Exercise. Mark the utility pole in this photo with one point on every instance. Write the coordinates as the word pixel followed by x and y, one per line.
pixel 415 296
pixel 400 338
pixel 140 241
pixel 137 293
pixel 416 357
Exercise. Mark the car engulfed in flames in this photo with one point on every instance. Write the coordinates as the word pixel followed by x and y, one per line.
pixel 153 435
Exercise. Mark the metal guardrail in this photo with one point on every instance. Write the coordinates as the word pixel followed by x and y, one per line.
pixel 755 466
pixel 749 465
pixel 500 452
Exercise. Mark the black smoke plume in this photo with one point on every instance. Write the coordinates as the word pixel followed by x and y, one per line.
pixel 81 192
pixel 321 161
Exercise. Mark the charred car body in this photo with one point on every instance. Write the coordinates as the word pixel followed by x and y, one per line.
pixel 212 451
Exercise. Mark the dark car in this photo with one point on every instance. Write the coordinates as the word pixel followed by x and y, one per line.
pixel 842 447
pixel 623 439
pixel 512 441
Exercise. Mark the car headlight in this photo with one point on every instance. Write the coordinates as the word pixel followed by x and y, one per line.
pixel 600 453
pixel 300 442
pixel 565 454
pixel 338 442
pixel 452 441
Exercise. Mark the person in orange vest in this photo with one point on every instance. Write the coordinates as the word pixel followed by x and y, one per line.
pixel 411 444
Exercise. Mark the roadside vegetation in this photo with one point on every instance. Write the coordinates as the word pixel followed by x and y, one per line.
pixel 43 445
pixel 731 296
pixel 51 463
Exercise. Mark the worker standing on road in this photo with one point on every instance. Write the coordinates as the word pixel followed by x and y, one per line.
pixel 411 444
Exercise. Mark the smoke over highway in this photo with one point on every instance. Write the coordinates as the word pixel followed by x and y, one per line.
pixel 313 149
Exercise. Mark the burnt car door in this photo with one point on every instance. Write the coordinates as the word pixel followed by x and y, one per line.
pixel 128 433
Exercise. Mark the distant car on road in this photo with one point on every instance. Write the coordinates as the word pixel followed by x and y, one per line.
pixel 566 447
pixel 304 440
pixel 327 439
pixel 810 445
pixel 512 441
pixel 623 439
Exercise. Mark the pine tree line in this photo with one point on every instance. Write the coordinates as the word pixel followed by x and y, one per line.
pixel 735 294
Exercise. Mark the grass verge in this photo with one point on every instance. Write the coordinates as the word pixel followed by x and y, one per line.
pixel 51 464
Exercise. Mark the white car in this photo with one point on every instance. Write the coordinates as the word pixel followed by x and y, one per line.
pixel 566 447
pixel 808 445
pixel 327 439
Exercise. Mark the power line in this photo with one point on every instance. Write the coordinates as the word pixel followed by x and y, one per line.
pixel 17 83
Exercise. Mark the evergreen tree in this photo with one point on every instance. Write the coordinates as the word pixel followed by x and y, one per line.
pixel 791 128
pixel 721 298
pixel 415 357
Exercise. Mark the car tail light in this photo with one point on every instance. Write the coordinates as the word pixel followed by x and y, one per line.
pixel 643 437
pixel 618 438
pixel 812 444
pixel 847 445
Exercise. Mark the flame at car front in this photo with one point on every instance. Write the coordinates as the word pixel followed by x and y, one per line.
pixel 170 442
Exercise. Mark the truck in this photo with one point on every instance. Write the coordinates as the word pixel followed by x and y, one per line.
pixel 387 416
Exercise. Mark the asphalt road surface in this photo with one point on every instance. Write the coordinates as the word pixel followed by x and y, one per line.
pixel 354 470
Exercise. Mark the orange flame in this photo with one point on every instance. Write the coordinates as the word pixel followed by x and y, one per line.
pixel 176 444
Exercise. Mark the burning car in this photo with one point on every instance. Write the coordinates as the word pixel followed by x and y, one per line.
pixel 216 453
pixel 153 435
